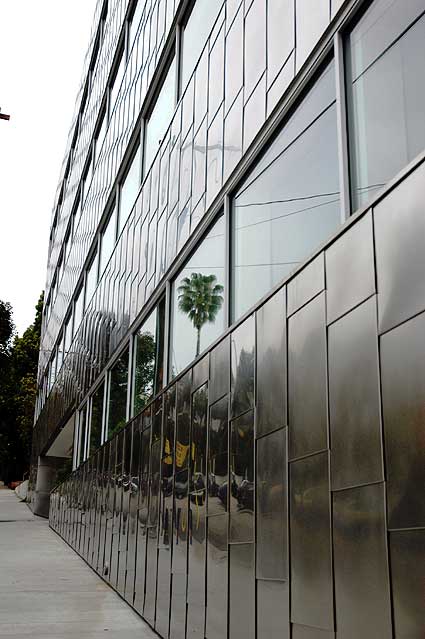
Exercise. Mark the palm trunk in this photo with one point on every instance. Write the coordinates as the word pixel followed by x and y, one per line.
pixel 198 341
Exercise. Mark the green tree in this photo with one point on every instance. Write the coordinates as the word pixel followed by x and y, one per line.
pixel 200 299
pixel 18 388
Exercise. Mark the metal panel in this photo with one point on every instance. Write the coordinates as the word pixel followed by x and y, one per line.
pixel 241 497
pixel 307 284
pixel 217 569
pixel 271 364
pixel 200 372
pixel 183 422
pixel 354 399
pixel 362 597
pixel 305 632
pixel 273 610
pixel 219 370
pixel 132 519
pixel 218 461
pixel 163 592
pixel 308 415
pixel 242 367
pixel 116 526
pixel 196 568
pixel 241 591
pixel 151 574
pixel 178 607
pixel 350 270
pixel 403 392
pixel 272 507
pixel 311 562
pixel 407 549
pixel 180 523
pixel 400 251
pixel 125 508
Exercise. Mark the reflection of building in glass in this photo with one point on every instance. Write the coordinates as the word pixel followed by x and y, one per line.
pixel 233 346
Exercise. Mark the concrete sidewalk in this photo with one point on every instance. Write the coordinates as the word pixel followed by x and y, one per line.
pixel 47 591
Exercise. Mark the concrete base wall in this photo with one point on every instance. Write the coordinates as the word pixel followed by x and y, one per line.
pixel 47 469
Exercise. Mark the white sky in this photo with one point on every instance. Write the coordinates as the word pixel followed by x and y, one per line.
pixel 42 49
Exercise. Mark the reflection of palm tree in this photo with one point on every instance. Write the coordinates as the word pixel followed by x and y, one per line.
pixel 200 299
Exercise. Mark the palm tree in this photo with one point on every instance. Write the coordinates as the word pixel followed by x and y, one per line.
pixel 200 299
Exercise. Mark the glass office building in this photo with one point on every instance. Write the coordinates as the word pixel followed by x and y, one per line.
pixel 233 356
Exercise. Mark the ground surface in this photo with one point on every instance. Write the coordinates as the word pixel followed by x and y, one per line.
pixel 48 592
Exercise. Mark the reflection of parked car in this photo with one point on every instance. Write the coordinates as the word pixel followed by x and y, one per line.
pixel 213 487
pixel 245 495
pixel 197 489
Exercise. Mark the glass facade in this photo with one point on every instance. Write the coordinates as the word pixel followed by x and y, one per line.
pixel 117 395
pixel 246 359
pixel 386 55
pixel 291 201
pixel 197 300
pixel 149 358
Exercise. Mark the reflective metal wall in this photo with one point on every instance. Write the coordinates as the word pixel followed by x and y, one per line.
pixel 275 489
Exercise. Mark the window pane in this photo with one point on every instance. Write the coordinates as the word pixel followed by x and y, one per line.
pixel 290 207
pixel 115 87
pixel 91 280
pixel 198 300
pixel 82 435
pixel 96 418
pixel 78 310
pixel 386 95
pixel 129 190
pixel 68 335
pixel 118 383
pixel 148 365
pixel 195 34
pixel 100 137
pixel 160 117
pixel 107 242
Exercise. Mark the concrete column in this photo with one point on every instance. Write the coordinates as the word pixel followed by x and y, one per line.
pixel 46 479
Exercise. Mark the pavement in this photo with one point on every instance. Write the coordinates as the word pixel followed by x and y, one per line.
pixel 48 592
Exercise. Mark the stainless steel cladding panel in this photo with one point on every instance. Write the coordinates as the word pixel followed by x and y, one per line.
pixel 241 591
pixel 241 479
pixel 362 597
pixel 403 392
pixel 354 399
pixel 311 562
pixel 242 349
pixel 271 364
pixel 272 507
pixel 307 379
pixel 400 251
pixel 350 269
pixel 273 609
pixel 217 571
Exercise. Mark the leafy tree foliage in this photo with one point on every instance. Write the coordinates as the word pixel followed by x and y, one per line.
pixel 18 387
pixel 200 299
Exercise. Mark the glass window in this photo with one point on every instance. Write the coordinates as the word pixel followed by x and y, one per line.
pixel 96 418
pixel 149 358
pixel 117 400
pixel 160 117
pixel 290 203
pixel 78 310
pixel 82 427
pixel 107 242
pixel 68 334
pixel 129 189
pixel 100 137
pixel 195 34
pixel 116 83
pixel 91 280
pixel 198 300
pixel 134 23
pixel 386 96
pixel 61 353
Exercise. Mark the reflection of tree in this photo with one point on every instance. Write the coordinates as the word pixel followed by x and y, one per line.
pixel 200 299
pixel 244 381
pixel 144 370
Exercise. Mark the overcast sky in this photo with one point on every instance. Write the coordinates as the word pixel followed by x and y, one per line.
pixel 42 49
